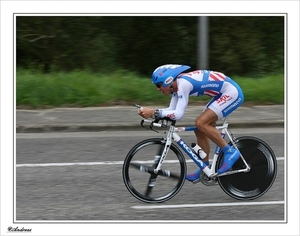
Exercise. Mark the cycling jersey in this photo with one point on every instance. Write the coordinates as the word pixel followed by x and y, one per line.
pixel 226 94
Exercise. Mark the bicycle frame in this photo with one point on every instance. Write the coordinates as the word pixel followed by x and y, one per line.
pixel 172 134
pixel 255 153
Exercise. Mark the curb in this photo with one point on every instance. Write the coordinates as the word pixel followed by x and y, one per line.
pixel 117 127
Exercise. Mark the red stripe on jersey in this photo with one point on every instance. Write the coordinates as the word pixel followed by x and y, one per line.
pixel 217 76
pixel 211 93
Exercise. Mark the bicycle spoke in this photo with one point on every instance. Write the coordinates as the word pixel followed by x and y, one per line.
pixel 151 184
pixel 142 167
pixel 167 173
pixel 150 170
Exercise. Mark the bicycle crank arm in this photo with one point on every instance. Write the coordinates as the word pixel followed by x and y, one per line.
pixel 150 170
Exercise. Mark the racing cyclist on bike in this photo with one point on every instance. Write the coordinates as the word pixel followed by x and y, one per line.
pixel 226 95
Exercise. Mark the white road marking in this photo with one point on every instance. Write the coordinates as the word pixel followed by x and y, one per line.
pixel 97 163
pixel 72 164
pixel 157 206
pixel 83 163
pixel 208 205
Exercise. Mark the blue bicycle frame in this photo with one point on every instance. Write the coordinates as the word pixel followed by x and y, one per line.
pixel 209 171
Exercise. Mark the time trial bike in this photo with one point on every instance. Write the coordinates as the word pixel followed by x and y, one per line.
pixel 154 170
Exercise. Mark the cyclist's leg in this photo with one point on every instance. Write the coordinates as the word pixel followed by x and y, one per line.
pixel 231 154
pixel 207 121
pixel 230 99
pixel 203 142
pixel 202 139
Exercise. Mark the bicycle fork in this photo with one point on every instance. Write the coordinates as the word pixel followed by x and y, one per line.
pixel 157 164
pixel 165 150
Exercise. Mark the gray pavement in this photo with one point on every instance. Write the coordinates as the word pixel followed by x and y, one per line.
pixel 126 118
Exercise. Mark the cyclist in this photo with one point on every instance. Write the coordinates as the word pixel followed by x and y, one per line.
pixel 226 95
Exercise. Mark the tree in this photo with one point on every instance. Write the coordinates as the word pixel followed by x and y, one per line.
pixel 239 45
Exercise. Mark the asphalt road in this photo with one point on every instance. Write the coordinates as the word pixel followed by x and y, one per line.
pixel 77 176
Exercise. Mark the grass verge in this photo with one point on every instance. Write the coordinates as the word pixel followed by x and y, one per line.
pixel 85 89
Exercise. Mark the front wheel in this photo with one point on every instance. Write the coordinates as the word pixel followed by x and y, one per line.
pixel 259 179
pixel 138 171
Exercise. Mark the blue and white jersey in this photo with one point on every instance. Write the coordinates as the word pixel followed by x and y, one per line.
pixel 204 82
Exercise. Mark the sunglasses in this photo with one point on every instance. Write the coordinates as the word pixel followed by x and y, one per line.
pixel 158 85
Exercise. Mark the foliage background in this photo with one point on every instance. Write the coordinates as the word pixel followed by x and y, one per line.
pixel 238 45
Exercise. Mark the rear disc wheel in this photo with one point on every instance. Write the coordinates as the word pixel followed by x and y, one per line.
pixel 259 179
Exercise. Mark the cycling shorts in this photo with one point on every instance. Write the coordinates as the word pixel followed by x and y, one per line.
pixel 229 99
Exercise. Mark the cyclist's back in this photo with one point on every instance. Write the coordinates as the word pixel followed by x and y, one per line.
pixel 226 94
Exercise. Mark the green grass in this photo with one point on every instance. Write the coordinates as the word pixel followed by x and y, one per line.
pixel 84 89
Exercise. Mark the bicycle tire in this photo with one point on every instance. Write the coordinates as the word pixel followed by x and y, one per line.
pixel 142 182
pixel 255 183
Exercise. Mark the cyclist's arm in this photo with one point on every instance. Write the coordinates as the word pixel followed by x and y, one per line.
pixel 178 102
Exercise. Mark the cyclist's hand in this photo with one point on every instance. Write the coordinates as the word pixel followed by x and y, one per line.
pixel 146 112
